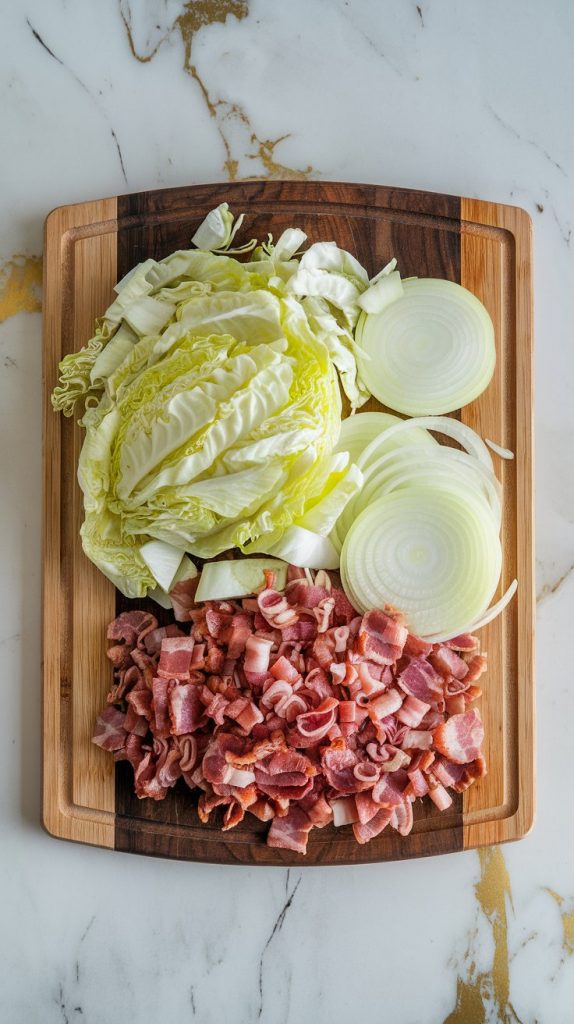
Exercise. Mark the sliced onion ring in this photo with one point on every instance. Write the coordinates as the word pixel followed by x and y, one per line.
pixel 492 613
pixel 429 351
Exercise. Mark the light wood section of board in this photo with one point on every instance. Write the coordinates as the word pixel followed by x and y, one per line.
pixel 80 271
pixel 496 247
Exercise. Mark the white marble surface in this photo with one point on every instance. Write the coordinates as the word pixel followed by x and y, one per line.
pixel 466 96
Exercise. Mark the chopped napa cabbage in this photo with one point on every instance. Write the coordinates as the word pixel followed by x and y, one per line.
pixel 163 561
pixel 218 229
pixel 212 406
pixel 238 577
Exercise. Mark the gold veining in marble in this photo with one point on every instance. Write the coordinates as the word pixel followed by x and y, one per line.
pixel 567 917
pixel 483 996
pixel 20 286
pixel 226 115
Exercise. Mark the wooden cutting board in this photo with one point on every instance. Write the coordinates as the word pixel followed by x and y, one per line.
pixel 88 247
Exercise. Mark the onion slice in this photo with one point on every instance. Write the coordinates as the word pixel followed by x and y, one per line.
pixel 504 453
pixel 434 552
pixel 430 351
pixel 492 613
pixel 357 432
pixel 465 436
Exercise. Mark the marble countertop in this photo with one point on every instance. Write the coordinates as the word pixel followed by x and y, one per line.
pixel 469 97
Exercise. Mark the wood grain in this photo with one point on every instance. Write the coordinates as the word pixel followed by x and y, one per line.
pixel 487 248
pixel 497 267
pixel 80 269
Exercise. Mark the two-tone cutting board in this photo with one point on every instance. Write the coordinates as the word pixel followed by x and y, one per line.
pixel 484 246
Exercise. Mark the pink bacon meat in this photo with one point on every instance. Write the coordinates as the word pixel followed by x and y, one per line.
pixel 292 707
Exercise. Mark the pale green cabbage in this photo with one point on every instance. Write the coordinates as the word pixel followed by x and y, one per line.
pixel 212 406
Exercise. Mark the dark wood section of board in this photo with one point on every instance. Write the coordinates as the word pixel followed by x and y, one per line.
pixel 374 223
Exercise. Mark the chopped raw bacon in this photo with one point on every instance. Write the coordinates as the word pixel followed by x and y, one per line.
pixel 460 737
pixel 421 680
pixel 291 831
pixel 129 625
pixel 292 707
pixel 373 827
pixel 110 731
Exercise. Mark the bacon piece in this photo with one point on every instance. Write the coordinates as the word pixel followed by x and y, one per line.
pixel 456 776
pixel 275 610
pixel 343 611
pixel 303 630
pixel 460 737
pixel 476 666
pixel 215 762
pixel 120 656
pixel 381 638
pixel 140 699
pixel 367 772
pixel 317 683
pixel 465 642
pixel 448 663
pixel 323 651
pixel 129 625
pixel 152 638
pixel 456 704
pixel 182 596
pixel 386 704
pixel 146 782
pixel 146 666
pixel 440 796
pixel 316 806
pixel 344 811
pixel 160 721
pixel 168 769
pixel 250 716
pixel 262 809
pixel 323 614
pixel 366 807
pixel 388 791
pixel 389 758
pixel 291 707
pixel 233 815
pixel 188 748
pixel 347 711
pixel 110 731
pixel 416 648
pixel 370 685
pixel 402 817
pixel 313 725
pixel 215 705
pixel 365 832
pixel 126 680
pixel 291 831
pixel 186 711
pixel 240 630
pixel 417 739
pixel 288 785
pixel 257 652
pixel 412 712
pixel 418 785
pixel 282 668
pixel 338 763
pixel 305 595
pixel 135 723
pixel 421 680
pixel 133 750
